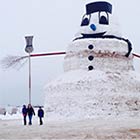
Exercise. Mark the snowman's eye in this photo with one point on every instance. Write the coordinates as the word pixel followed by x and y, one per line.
pixel 103 18
pixel 85 20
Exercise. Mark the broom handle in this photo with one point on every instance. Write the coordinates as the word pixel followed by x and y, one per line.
pixel 136 55
pixel 60 53
pixel 45 54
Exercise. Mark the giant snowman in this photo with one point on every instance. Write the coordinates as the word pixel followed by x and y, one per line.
pixel 99 78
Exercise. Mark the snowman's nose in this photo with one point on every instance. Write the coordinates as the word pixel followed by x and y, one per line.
pixel 93 27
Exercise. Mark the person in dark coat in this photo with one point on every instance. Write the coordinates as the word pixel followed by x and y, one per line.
pixel 24 113
pixel 40 115
pixel 30 113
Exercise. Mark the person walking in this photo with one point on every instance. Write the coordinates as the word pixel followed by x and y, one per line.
pixel 30 113
pixel 40 115
pixel 24 113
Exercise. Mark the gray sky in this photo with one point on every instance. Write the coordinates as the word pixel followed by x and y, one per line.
pixel 53 25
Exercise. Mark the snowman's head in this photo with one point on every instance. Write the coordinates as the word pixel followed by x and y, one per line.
pixel 98 21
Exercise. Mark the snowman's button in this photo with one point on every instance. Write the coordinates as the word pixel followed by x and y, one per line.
pixel 90 67
pixel 90 47
pixel 90 58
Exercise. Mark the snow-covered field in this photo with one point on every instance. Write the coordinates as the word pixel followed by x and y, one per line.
pixel 111 128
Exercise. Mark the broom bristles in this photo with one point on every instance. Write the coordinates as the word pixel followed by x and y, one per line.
pixel 13 62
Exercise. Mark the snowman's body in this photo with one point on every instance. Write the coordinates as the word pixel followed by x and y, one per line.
pixel 98 54
pixel 99 77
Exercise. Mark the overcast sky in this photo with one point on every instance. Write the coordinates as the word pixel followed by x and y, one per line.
pixel 53 25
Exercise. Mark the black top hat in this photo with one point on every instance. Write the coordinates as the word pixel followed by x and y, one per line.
pixel 98 7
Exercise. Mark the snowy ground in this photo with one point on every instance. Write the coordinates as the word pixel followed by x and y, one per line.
pixel 92 129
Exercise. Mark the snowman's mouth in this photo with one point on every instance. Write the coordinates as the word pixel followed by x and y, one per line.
pixel 97 35
pixel 93 35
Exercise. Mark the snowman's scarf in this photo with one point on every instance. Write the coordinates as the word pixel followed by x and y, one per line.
pixel 85 36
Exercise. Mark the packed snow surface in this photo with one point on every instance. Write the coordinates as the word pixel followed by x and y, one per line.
pixel 104 128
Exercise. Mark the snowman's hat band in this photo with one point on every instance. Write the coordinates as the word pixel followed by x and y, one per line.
pixel 98 7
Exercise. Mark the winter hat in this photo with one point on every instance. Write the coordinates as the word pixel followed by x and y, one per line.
pixel 98 7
